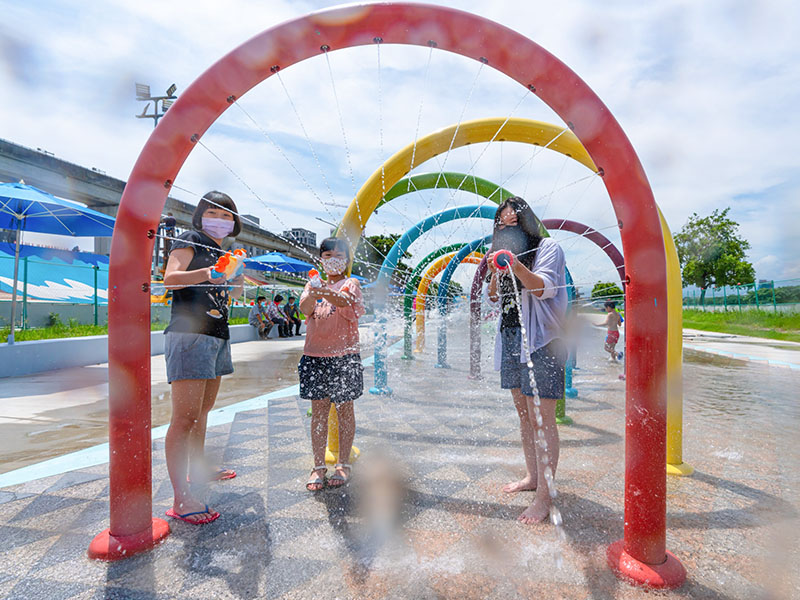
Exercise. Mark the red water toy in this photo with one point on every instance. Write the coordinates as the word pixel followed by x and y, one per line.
pixel 503 259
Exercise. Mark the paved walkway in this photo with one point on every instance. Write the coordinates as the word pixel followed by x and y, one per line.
pixel 425 517
pixel 776 353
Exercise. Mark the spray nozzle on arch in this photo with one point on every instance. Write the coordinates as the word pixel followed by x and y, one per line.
pixel 503 259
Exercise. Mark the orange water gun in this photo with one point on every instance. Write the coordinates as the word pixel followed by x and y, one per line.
pixel 230 265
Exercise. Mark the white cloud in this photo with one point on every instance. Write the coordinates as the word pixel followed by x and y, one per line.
pixel 705 91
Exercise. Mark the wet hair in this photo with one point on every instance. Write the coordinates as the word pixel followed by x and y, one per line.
pixel 524 237
pixel 260 298
pixel 610 303
pixel 277 298
pixel 334 243
pixel 216 200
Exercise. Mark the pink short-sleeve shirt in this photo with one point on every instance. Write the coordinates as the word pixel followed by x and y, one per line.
pixel 333 330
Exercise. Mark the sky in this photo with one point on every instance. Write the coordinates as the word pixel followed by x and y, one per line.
pixel 707 92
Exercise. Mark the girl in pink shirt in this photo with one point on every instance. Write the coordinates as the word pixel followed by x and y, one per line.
pixel 330 369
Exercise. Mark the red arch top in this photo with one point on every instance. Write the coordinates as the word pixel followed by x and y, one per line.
pixel 593 235
pixel 417 24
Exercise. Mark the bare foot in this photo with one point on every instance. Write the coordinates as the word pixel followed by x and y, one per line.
pixel 523 485
pixel 536 512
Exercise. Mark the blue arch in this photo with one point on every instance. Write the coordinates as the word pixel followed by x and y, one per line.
pixel 473 211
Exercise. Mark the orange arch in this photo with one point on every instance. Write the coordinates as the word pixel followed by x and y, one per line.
pixel 430 274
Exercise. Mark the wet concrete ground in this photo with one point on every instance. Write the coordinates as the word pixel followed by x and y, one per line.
pixel 53 413
pixel 424 516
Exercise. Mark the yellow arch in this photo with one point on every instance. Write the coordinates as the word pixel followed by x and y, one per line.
pixel 397 166
pixel 430 274
pixel 675 464
pixel 558 139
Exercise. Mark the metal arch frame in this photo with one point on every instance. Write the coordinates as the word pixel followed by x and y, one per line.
pixel 411 286
pixel 641 555
pixel 448 180
pixel 474 257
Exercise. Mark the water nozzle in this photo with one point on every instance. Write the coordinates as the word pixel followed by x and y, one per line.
pixel 503 259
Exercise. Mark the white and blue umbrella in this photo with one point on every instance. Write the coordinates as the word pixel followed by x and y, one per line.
pixel 26 208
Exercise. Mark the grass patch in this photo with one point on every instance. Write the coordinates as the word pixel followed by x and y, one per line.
pixel 74 329
pixel 755 323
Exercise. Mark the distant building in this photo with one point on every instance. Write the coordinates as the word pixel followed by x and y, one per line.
pixel 301 236
pixel 252 218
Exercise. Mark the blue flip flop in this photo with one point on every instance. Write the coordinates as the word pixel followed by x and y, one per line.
pixel 214 516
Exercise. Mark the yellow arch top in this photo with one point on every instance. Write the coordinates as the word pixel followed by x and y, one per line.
pixel 547 135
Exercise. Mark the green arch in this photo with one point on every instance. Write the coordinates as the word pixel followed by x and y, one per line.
pixel 450 181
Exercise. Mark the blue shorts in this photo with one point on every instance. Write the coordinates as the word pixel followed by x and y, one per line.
pixel 548 366
pixel 196 356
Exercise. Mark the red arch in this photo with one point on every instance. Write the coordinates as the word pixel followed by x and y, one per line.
pixel 593 235
pixel 412 24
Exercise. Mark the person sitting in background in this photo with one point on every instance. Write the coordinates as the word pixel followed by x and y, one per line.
pixel 292 313
pixel 258 318
pixel 277 317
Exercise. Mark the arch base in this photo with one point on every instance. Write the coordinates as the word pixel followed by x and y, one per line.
pixel 380 391
pixel 332 456
pixel 571 392
pixel 666 576
pixel 680 469
pixel 108 547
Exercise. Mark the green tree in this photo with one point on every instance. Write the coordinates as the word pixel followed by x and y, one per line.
pixel 603 290
pixel 369 256
pixel 712 252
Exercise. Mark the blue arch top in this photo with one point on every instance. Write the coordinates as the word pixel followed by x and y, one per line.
pixel 444 283
pixel 410 236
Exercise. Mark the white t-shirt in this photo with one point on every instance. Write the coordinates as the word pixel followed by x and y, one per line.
pixel 544 316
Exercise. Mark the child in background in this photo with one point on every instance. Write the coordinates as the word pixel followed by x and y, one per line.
pixel 612 322
pixel 330 369
pixel 197 349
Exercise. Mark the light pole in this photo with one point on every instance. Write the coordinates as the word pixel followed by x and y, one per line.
pixel 143 95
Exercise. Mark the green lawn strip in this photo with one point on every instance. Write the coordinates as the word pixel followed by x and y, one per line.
pixel 754 323
pixel 70 331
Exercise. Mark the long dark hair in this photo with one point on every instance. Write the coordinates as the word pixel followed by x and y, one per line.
pixel 216 200
pixel 525 237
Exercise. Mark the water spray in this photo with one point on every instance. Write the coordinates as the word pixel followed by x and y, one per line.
pixel 503 260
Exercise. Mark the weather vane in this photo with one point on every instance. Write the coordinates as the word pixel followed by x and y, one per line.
pixel 143 95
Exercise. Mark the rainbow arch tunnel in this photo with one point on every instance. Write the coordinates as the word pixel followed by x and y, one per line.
pixel 641 555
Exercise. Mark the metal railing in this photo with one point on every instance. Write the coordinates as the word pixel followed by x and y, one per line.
pixel 782 295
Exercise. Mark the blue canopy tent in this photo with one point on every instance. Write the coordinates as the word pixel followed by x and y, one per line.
pixel 275 261
pixel 26 208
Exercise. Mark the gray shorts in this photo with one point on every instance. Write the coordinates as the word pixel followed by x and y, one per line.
pixel 548 366
pixel 196 356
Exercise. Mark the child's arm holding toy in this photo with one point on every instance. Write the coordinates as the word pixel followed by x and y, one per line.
pixel 176 276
